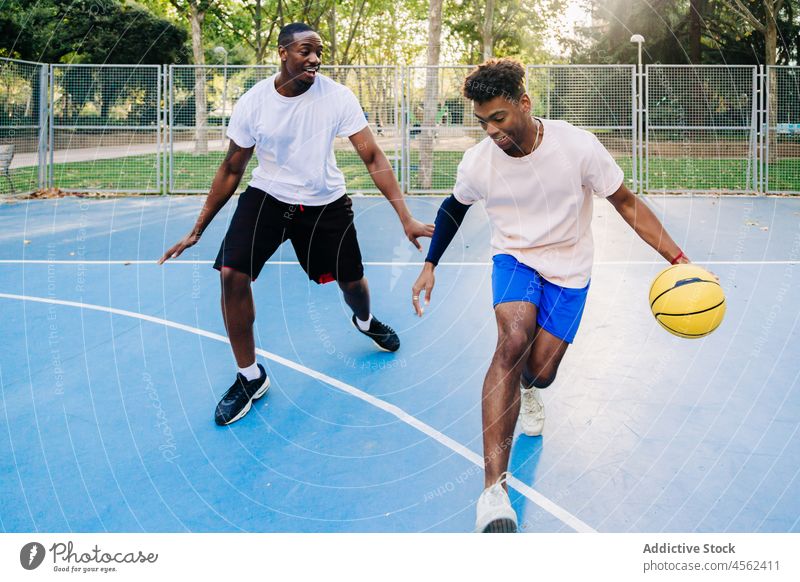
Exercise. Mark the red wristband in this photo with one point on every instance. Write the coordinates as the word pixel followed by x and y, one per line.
pixel 675 260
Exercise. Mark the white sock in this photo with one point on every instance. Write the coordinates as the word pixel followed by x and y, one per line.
pixel 251 372
pixel 364 325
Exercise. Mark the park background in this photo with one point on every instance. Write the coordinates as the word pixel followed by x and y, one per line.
pixel 115 96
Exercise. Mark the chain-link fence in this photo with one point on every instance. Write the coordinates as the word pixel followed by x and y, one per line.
pixel 201 101
pixel 781 156
pixel 438 127
pixel 597 98
pixel 199 107
pixel 105 130
pixel 701 128
pixel 379 91
pixel 148 128
pixel 23 126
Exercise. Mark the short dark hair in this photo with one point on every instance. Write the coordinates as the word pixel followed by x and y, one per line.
pixel 286 35
pixel 496 77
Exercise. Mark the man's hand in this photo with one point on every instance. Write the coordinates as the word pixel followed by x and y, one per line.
pixel 175 251
pixel 683 260
pixel 414 229
pixel 424 284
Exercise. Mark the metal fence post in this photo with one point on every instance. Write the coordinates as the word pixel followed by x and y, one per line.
pixel 636 138
pixel 51 133
pixel 764 137
pixel 644 132
pixel 403 133
pixel 44 75
pixel 170 137
pixel 765 127
pixel 756 130
pixel 163 122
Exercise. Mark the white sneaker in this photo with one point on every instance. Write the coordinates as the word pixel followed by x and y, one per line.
pixel 531 410
pixel 495 514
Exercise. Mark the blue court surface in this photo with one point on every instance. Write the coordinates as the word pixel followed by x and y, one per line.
pixel 112 365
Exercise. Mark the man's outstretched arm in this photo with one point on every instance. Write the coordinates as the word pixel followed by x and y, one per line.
pixel 448 220
pixel 637 214
pixel 225 182
pixel 383 176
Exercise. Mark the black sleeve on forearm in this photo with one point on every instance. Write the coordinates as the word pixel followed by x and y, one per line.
pixel 448 219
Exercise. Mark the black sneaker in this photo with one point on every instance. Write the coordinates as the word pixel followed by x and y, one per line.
pixel 381 334
pixel 239 397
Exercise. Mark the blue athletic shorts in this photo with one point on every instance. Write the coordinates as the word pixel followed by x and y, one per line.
pixel 559 308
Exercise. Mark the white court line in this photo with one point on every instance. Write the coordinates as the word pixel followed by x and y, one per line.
pixel 549 506
pixel 369 263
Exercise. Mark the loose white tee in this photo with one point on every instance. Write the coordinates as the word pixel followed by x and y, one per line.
pixel 294 138
pixel 540 205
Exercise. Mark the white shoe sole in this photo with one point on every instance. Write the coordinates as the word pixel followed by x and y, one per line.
pixel 377 345
pixel 258 394
pixel 533 433
pixel 381 348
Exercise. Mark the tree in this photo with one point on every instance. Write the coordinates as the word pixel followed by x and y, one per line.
pixel 196 12
pixel 84 31
pixel 767 25
pixel 662 22
pixel 431 93
pixel 487 33
pixel 487 28
pixel 697 11
pixel 693 31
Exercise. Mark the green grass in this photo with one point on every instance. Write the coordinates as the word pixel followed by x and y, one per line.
pixel 195 172
pixel 136 173
pixel 697 174
pixel 784 176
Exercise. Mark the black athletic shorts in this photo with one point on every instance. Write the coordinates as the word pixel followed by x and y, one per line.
pixel 323 237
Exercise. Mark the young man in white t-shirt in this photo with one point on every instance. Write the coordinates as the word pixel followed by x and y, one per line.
pixel 537 179
pixel 297 193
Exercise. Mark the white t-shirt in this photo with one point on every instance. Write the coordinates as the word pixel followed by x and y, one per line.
pixel 540 205
pixel 294 138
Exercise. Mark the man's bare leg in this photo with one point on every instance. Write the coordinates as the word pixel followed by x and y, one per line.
pixel 356 295
pixel 239 314
pixel 542 363
pixel 516 325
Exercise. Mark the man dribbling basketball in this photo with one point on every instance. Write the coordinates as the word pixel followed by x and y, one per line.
pixel 536 178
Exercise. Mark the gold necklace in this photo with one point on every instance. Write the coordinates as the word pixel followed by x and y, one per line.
pixel 536 139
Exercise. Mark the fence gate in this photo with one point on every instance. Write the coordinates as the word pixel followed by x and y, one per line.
pixel 781 152
pixel 701 128
pixel 23 124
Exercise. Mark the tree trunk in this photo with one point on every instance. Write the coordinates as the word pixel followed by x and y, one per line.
pixel 332 29
pixel 697 10
pixel 772 7
pixel 771 34
pixel 257 29
pixel 200 108
pixel 431 95
pixel 486 32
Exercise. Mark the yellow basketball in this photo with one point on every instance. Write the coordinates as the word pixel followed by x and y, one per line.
pixel 687 301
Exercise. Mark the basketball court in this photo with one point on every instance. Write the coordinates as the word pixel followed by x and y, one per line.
pixel 112 366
